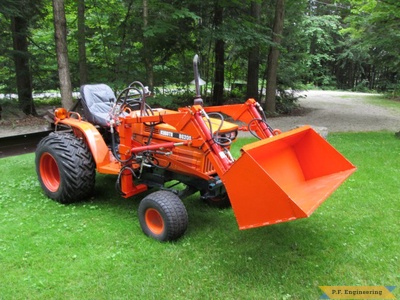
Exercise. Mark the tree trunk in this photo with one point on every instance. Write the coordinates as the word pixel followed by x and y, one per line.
pixel 219 78
pixel 83 75
pixel 19 28
pixel 273 56
pixel 60 34
pixel 148 59
pixel 253 57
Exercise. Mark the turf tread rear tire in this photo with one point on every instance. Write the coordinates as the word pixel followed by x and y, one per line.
pixel 172 211
pixel 75 165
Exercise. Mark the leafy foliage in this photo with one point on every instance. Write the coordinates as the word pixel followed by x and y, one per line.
pixel 373 31
pixel 347 44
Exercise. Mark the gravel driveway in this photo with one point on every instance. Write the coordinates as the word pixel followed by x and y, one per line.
pixel 340 112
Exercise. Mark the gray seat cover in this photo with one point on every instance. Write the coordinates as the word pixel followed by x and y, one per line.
pixel 97 101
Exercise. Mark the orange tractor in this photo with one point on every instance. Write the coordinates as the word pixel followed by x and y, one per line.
pixel 281 177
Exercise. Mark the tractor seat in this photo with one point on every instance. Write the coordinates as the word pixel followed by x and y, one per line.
pixel 97 101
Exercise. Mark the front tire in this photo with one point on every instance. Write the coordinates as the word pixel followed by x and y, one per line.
pixel 65 168
pixel 163 216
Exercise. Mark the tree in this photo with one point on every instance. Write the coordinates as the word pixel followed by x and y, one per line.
pixel 154 42
pixel 253 57
pixel 60 34
pixel 373 28
pixel 21 59
pixel 83 76
pixel 273 56
pixel 219 53
pixel 322 38
pixel 20 13
pixel 148 59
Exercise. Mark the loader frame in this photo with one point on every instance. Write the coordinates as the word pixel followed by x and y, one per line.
pixel 191 133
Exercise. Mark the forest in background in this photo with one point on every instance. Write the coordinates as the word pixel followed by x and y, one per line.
pixel 343 44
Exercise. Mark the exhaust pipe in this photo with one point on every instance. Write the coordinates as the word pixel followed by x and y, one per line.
pixel 197 100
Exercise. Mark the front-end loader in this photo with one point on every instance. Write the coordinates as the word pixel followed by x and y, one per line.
pixel 281 177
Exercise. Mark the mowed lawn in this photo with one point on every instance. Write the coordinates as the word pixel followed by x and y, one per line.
pixel 96 250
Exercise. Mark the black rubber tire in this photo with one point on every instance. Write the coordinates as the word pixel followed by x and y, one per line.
pixel 163 216
pixel 65 168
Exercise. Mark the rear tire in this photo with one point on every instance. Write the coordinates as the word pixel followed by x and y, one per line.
pixel 163 216
pixel 65 168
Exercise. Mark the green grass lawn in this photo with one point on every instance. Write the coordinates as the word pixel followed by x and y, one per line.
pixel 392 104
pixel 96 250
pixel 378 100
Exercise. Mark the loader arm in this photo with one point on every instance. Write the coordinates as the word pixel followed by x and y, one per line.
pixel 189 121
pixel 250 113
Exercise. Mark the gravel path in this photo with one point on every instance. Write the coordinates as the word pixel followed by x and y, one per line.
pixel 340 112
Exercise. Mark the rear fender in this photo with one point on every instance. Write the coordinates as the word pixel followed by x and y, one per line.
pixel 92 138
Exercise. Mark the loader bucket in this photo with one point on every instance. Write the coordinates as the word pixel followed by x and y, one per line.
pixel 284 178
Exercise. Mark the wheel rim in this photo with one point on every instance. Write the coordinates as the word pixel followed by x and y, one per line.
pixel 49 172
pixel 154 221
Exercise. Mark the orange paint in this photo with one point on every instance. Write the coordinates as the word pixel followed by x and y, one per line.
pixel 283 178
